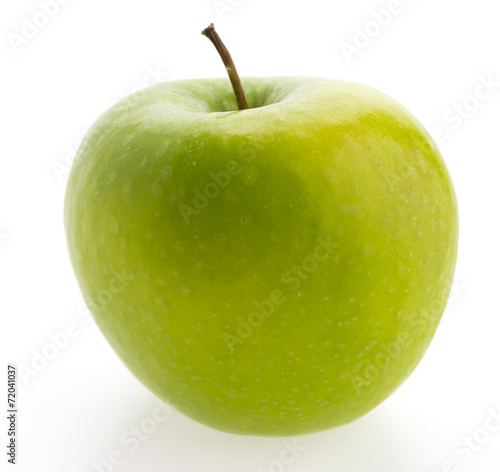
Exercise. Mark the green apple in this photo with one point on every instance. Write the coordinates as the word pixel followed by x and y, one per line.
pixel 277 270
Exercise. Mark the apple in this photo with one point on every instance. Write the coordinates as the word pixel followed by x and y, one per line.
pixel 275 270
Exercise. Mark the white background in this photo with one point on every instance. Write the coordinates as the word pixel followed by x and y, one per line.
pixel 57 78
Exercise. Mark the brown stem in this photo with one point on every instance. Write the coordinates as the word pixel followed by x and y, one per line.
pixel 212 35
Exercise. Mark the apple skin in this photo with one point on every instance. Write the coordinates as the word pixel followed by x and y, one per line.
pixel 329 208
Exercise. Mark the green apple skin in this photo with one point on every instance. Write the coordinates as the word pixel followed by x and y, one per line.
pixel 326 206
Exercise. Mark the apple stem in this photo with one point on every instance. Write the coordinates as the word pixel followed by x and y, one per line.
pixel 212 35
